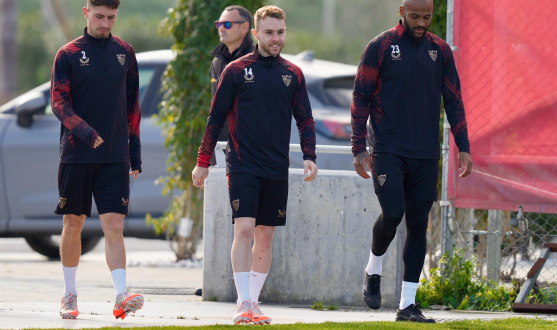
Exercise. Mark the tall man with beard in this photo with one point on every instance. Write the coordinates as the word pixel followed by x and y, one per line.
pixel 259 93
pixel 401 77
pixel 94 93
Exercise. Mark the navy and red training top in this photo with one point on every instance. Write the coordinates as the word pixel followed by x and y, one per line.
pixel 95 92
pixel 259 95
pixel 399 86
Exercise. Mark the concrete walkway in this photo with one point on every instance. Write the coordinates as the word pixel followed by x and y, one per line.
pixel 31 289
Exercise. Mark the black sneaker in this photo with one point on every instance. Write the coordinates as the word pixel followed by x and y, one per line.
pixel 372 290
pixel 413 314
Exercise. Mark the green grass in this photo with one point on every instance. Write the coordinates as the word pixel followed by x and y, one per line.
pixel 511 324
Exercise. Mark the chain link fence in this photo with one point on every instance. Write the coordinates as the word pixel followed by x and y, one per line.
pixel 505 245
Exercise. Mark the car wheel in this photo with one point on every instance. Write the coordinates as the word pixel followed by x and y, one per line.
pixel 45 245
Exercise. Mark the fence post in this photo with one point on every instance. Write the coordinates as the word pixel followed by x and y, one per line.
pixel 494 220
pixel 447 239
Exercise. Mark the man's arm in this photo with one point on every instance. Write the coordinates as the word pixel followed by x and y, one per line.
pixel 222 102
pixel 134 114
pixel 301 110
pixel 452 97
pixel 454 109
pixel 61 100
pixel 364 88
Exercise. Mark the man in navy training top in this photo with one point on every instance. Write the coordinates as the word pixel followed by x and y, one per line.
pixel 402 75
pixel 94 93
pixel 258 93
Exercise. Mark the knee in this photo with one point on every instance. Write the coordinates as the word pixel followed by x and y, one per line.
pixel 114 226
pixel 393 214
pixel 244 230
pixel 264 241
pixel 73 223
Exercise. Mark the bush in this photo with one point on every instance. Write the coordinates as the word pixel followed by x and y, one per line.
pixel 461 290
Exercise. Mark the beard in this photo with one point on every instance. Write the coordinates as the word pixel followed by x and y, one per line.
pixel 412 32
pixel 270 50
pixel 101 35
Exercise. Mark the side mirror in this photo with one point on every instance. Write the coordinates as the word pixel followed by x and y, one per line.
pixel 29 105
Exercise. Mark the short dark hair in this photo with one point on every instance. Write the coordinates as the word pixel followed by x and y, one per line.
pixel 244 13
pixel 112 4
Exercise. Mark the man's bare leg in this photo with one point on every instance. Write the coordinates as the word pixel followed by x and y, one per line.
pixel 115 250
pixel 70 250
pixel 263 249
pixel 70 242
pixel 262 258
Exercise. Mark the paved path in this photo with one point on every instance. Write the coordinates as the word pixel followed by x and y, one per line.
pixel 31 289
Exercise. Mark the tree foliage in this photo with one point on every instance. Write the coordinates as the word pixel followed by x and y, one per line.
pixel 186 104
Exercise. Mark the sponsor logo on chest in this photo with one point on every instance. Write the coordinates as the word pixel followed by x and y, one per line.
pixel 84 60
pixel 395 54
pixel 248 75
pixel 433 54
pixel 121 58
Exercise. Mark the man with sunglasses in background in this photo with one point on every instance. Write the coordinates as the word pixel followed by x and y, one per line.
pixel 234 26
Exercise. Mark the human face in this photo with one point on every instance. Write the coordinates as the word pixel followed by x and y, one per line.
pixel 100 20
pixel 235 34
pixel 271 35
pixel 416 17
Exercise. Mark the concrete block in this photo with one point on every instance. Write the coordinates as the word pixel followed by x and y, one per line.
pixel 319 255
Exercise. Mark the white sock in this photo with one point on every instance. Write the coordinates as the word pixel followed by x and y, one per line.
pixel 408 295
pixel 69 280
pixel 375 264
pixel 119 281
pixel 255 285
pixel 242 285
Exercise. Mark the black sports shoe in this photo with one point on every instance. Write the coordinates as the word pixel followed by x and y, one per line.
pixel 372 290
pixel 413 314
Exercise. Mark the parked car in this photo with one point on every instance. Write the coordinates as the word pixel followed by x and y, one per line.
pixel 29 149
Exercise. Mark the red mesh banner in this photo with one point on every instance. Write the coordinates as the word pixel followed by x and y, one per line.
pixel 507 62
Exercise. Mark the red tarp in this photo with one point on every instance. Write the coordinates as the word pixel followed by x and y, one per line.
pixel 507 62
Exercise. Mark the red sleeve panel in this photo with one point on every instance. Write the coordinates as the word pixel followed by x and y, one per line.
pixel 60 95
pixel 224 105
pixel 134 112
pixel 302 113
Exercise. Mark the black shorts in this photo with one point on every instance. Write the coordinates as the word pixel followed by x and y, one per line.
pixel 109 183
pixel 264 199
pixel 416 177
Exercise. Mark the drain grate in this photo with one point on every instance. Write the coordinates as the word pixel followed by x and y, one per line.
pixel 168 291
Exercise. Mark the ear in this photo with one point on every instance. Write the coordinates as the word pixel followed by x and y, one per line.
pixel 254 32
pixel 85 11
pixel 401 11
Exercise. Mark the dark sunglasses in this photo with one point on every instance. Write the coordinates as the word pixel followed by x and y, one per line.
pixel 227 25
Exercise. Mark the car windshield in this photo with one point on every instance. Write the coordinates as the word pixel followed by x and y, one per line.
pixel 338 91
pixel 145 77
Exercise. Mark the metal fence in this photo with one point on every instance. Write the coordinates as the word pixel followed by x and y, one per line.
pixel 505 245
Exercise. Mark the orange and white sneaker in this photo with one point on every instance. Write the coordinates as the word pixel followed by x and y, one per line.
pixel 127 303
pixel 245 313
pixel 258 316
pixel 68 310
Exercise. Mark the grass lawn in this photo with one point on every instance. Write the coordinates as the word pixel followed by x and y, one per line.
pixel 512 323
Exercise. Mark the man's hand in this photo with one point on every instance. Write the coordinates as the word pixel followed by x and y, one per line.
pixel 199 175
pixel 464 160
pixel 98 142
pixel 135 174
pixel 360 162
pixel 312 168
